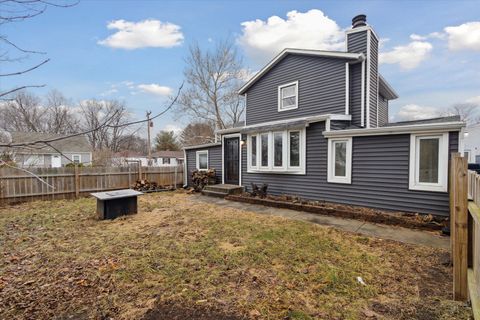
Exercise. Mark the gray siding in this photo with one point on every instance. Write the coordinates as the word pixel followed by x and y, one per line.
pixel 214 162
pixel 356 93
pixel 382 111
pixel 357 42
pixel 321 89
pixel 379 175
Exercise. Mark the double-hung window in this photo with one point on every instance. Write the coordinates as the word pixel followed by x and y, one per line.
pixel 288 96
pixel 202 160
pixel 277 151
pixel 428 162
pixel 340 160
pixel 76 158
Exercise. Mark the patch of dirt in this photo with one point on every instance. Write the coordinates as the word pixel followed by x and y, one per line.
pixel 180 311
pixel 402 219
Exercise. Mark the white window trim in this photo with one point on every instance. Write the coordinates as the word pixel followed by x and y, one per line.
pixel 414 184
pixel 347 179
pixel 280 109
pixel 197 158
pixel 270 168
pixel 79 158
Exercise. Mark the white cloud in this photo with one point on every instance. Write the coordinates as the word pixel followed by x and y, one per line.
pixel 155 89
pixel 417 37
pixel 408 56
pixel 416 112
pixel 310 30
pixel 464 37
pixel 474 100
pixel 172 127
pixel 142 34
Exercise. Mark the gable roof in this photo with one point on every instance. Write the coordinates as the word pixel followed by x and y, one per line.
pixel 385 89
pixel 287 51
pixel 168 154
pixel 71 144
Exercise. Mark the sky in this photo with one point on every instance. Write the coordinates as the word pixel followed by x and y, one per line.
pixel 134 50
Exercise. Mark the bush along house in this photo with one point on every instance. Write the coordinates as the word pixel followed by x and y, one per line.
pixel 317 126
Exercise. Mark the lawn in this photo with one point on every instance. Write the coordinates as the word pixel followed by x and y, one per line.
pixel 179 259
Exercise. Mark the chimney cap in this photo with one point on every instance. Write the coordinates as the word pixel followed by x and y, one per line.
pixel 359 21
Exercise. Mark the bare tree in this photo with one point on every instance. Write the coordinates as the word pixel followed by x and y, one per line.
pixel 94 113
pixel 197 133
pixel 26 112
pixel 60 116
pixel 14 11
pixel 468 112
pixel 213 79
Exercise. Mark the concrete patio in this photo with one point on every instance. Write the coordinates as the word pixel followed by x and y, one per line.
pixel 405 235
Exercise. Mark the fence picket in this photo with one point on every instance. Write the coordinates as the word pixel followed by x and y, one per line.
pixel 18 186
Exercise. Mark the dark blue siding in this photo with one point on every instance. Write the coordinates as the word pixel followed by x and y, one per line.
pixel 214 162
pixel 379 175
pixel 321 89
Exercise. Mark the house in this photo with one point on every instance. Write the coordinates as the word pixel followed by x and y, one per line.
pixel 159 158
pixel 168 158
pixel 316 126
pixel 472 143
pixel 55 155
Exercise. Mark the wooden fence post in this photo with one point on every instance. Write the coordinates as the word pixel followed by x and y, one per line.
pixel 77 182
pixel 459 225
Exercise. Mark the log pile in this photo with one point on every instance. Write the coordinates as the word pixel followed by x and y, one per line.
pixel 145 185
pixel 202 178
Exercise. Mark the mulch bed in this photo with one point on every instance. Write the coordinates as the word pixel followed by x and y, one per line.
pixel 408 220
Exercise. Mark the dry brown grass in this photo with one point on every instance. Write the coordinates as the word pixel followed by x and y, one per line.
pixel 59 261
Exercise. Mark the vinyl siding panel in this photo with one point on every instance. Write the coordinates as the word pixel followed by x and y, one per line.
pixel 356 93
pixel 382 111
pixel 214 162
pixel 321 89
pixel 380 173
pixel 357 42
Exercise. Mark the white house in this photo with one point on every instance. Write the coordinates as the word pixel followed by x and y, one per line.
pixel 472 143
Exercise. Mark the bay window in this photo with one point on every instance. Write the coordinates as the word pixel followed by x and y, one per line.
pixel 428 162
pixel 277 151
pixel 340 160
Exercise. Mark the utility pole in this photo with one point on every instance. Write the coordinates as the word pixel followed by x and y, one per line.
pixel 149 145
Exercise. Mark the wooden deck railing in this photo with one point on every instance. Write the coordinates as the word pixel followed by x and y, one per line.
pixel 18 186
pixel 465 232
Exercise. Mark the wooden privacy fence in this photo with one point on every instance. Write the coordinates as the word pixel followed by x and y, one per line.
pixel 465 232
pixel 19 186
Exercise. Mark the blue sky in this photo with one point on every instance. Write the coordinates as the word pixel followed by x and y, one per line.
pixel 429 66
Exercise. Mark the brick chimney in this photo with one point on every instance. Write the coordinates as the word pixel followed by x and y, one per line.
pixel 363 76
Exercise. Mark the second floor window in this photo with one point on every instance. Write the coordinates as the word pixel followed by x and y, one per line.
pixel 288 96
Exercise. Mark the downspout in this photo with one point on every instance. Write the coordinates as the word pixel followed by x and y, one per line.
pixel 185 171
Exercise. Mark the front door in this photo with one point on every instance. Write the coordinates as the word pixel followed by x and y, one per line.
pixel 56 161
pixel 231 156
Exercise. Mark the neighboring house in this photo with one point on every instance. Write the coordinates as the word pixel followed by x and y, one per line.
pixel 316 125
pixel 168 158
pixel 159 158
pixel 472 144
pixel 58 154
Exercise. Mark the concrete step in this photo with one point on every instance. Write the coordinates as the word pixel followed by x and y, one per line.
pixel 212 193
pixel 225 188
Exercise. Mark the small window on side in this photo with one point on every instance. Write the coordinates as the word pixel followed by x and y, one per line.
pixel 202 160
pixel 428 162
pixel 340 160
pixel 288 96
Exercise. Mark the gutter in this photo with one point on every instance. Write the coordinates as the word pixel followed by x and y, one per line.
pixel 213 144
pixel 426 128
pixel 323 117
